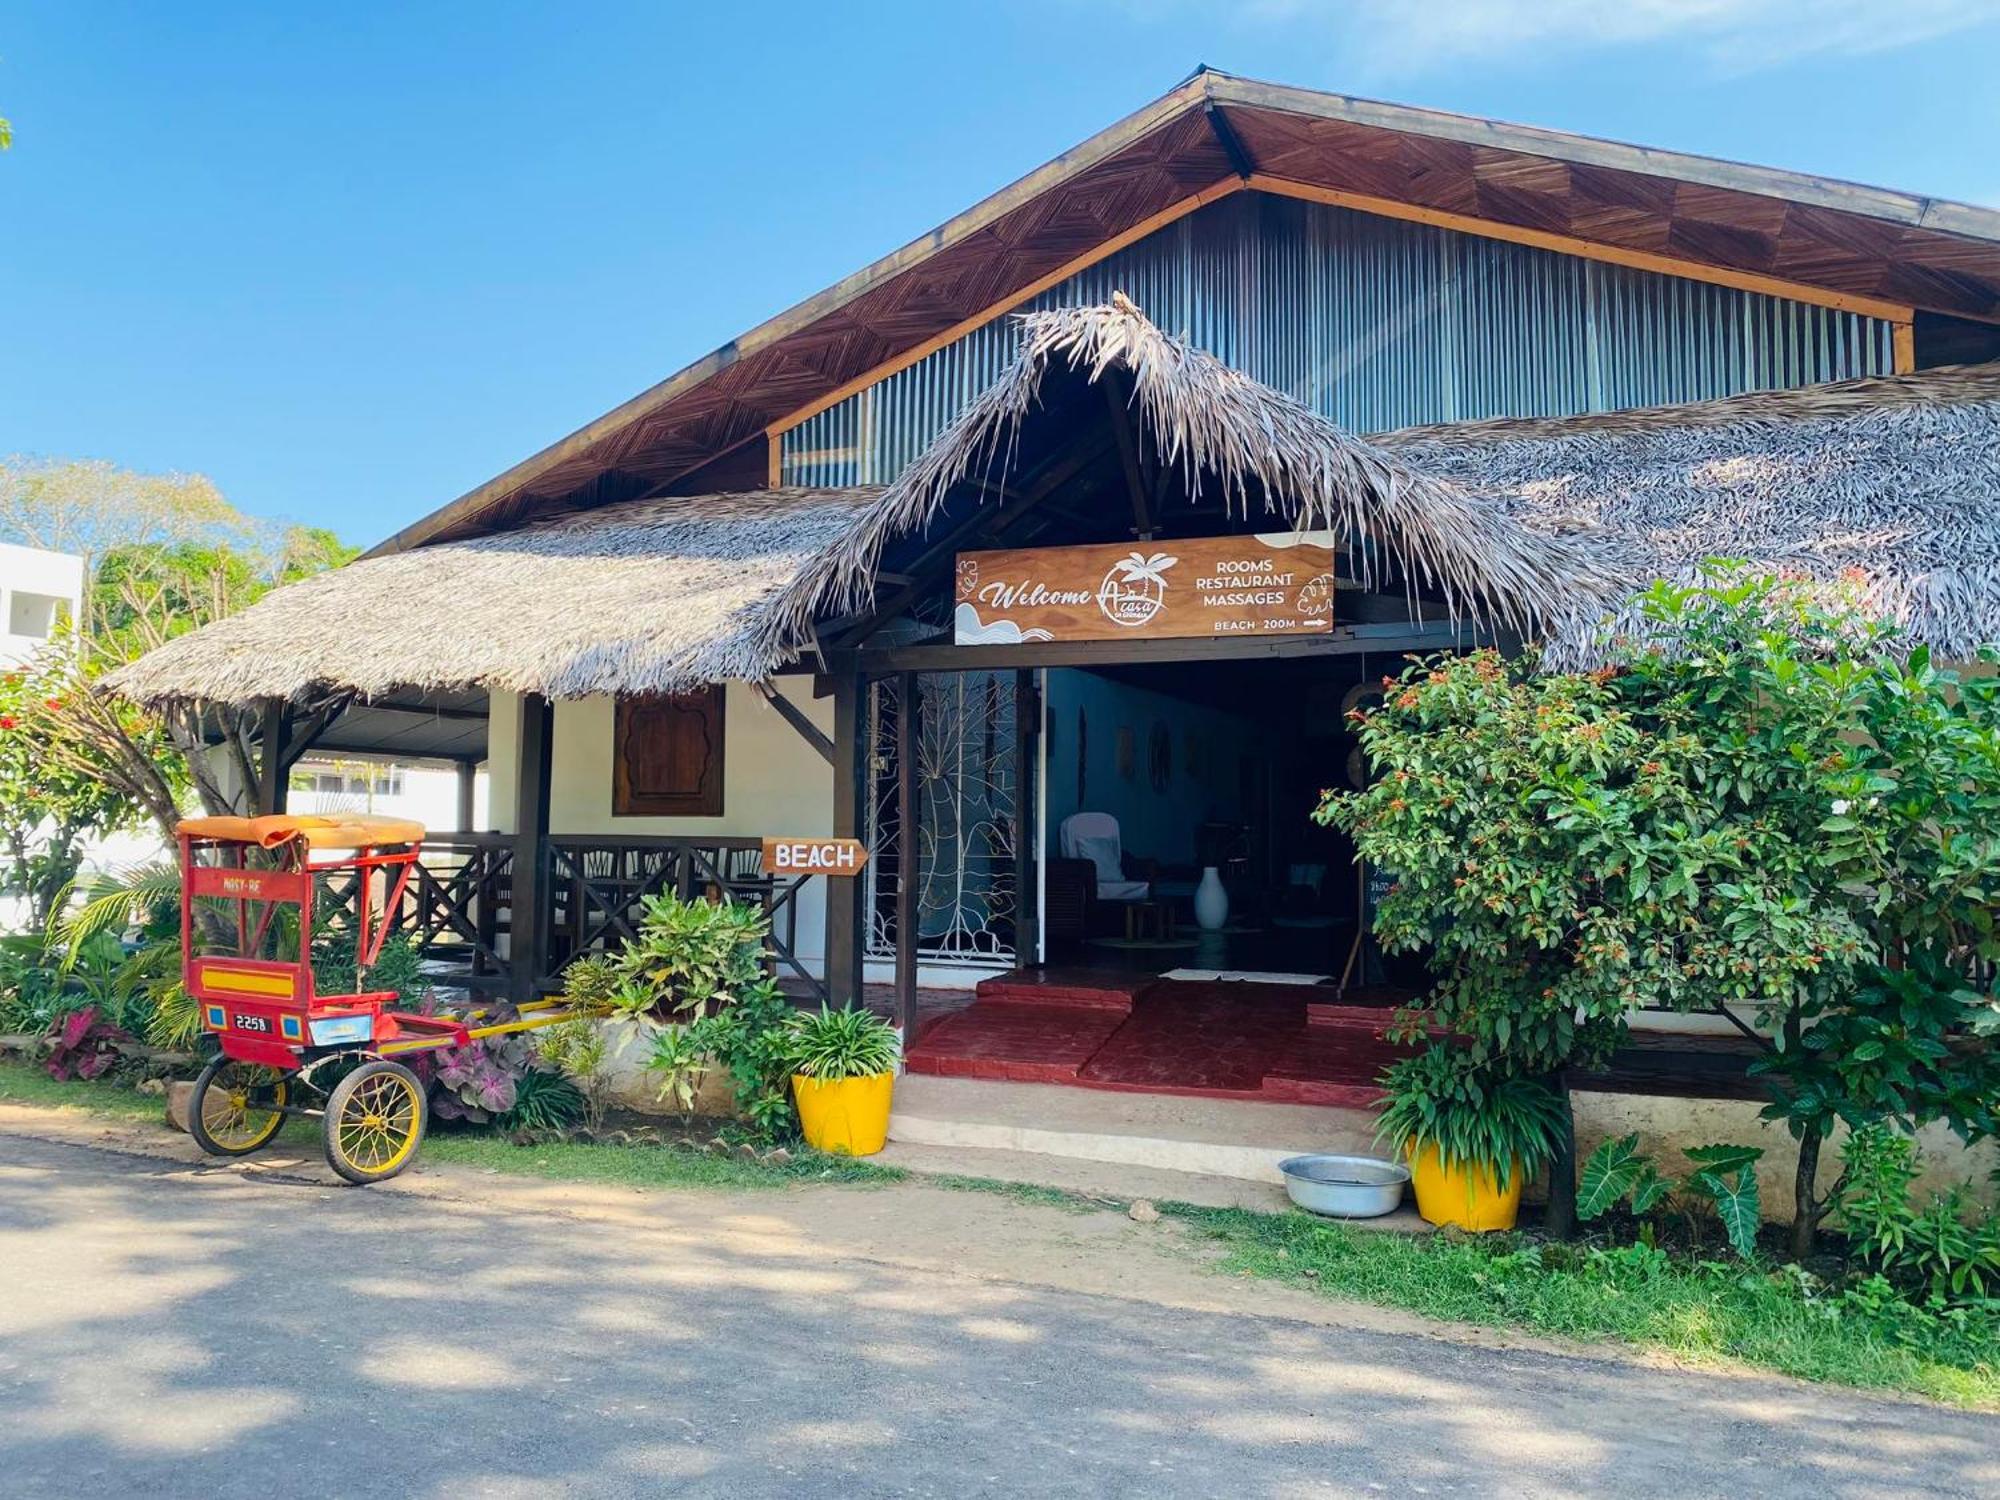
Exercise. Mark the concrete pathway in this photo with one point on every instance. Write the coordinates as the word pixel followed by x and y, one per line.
pixel 170 1328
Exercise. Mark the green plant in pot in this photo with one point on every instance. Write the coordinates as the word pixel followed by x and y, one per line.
pixel 1473 1134
pixel 843 1075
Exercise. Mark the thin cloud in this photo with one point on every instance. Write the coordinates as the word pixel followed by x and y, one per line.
pixel 1729 36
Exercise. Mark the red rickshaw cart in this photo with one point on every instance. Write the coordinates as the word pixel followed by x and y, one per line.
pixel 248 887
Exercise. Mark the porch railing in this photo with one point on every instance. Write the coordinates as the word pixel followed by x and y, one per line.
pixel 459 908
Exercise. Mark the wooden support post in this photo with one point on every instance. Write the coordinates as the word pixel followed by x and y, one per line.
pixel 272 762
pixel 844 894
pixel 528 919
pixel 909 854
pixel 793 715
pixel 468 780
pixel 1027 820
pixel 1118 395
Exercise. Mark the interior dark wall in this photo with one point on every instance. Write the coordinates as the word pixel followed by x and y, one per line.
pixel 1944 340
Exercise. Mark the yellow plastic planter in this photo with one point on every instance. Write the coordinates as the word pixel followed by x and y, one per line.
pixel 1461 1195
pixel 846 1116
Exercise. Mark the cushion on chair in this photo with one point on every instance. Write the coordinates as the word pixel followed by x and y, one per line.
pixel 1094 836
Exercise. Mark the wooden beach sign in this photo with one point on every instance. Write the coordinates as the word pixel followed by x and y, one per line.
pixel 813 856
pixel 1280 584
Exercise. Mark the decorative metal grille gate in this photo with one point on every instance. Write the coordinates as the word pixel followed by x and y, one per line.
pixel 967 793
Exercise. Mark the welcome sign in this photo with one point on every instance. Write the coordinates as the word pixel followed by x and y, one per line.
pixel 1279 584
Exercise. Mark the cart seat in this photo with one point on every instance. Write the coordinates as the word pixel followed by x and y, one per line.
pixel 319 830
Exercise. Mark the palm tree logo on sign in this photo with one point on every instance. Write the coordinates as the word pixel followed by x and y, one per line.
pixel 1135 590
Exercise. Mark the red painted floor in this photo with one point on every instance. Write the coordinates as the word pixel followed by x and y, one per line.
pixel 1227 1040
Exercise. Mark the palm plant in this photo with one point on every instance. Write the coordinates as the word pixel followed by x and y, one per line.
pixel 112 903
pixel 847 1043
pixel 1474 1116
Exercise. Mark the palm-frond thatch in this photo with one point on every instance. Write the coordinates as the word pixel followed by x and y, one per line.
pixel 1260 448
pixel 647 597
pixel 1542 526
pixel 1893 482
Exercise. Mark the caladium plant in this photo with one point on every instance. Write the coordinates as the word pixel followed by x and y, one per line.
pixel 83 1044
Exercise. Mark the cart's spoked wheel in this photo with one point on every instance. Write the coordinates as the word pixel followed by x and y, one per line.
pixel 374 1121
pixel 236 1107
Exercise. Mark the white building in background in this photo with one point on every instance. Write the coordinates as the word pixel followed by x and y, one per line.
pixel 39 592
pixel 426 792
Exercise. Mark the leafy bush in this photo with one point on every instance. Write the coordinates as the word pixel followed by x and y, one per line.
pixel 590 982
pixel 1725 1177
pixel 680 1063
pixel 32 987
pixel 84 1044
pixel 1762 806
pixel 1943 1250
pixel 1618 1171
pixel 176 1023
pixel 543 1100
pixel 398 968
pixel 752 1040
pixel 690 957
pixel 576 1049
pixel 1473 1113
pixel 845 1043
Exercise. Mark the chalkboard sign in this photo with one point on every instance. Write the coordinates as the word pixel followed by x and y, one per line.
pixel 1376 883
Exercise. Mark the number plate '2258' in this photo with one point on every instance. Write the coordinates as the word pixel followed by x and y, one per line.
pixel 253 1023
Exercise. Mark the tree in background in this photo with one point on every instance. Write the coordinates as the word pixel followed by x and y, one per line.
pixel 168 554
pixel 48 810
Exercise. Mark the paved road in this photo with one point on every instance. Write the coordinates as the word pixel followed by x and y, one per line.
pixel 175 1331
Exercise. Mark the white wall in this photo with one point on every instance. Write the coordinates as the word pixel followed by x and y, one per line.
pixel 36 588
pixel 429 793
pixel 773 782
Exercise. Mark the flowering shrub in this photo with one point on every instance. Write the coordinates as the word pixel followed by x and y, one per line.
pixel 1761 807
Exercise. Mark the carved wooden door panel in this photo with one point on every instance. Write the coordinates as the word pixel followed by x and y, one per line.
pixel 667 755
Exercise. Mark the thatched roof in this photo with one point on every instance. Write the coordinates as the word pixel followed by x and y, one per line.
pixel 1264 451
pixel 1539 526
pixel 649 596
pixel 1894 482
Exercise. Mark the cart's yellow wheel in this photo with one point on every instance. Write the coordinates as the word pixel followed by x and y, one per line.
pixel 236 1107
pixel 374 1121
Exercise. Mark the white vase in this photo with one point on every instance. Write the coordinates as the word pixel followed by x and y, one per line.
pixel 1211 901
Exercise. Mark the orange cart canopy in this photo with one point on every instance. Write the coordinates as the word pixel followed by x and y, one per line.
pixel 319 830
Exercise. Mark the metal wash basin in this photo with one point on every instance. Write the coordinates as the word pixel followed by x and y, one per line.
pixel 1345 1187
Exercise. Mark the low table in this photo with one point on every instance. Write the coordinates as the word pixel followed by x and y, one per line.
pixel 1149 919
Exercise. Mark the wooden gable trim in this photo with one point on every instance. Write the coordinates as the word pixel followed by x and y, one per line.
pixel 1617 255
pixel 1007 304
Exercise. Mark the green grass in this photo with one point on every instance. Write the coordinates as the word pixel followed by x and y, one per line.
pixel 662 1166
pixel 24 1083
pixel 1700 1311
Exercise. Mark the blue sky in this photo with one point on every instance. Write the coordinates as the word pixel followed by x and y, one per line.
pixel 353 260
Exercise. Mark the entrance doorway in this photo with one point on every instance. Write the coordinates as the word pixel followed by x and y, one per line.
pixel 1199 931
pixel 1178 836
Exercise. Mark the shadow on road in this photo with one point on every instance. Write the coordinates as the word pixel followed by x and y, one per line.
pixel 169 1330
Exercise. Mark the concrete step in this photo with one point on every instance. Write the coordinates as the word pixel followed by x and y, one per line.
pixel 1241 1139
pixel 1097 1179
pixel 1119 1185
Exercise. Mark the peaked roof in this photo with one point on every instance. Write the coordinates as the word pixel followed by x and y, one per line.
pixel 1212 135
pixel 1264 452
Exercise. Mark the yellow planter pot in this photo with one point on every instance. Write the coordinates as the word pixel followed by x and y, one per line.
pixel 1462 1195
pixel 847 1116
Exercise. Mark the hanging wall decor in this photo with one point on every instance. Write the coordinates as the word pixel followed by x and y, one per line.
pixel 1082 756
